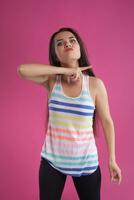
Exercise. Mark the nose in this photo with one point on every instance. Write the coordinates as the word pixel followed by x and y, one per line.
pixel 67 44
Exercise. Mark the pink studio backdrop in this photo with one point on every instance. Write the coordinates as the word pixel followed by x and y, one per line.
pixel 107 29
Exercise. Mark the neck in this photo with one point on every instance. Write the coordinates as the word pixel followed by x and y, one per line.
pixel 73 64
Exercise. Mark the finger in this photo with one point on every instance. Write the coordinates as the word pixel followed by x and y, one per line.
pixel 85 68
pixel 119 181
pixel 78 75
pixel 75 78
pixel 116 178
pixel 120 178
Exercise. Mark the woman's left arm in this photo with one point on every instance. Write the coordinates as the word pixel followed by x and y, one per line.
pixel 102 108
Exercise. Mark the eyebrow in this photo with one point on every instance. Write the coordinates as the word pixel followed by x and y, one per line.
pixel 63 39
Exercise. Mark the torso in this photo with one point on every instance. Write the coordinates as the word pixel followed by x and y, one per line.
pixel 70 134
pixel 74 90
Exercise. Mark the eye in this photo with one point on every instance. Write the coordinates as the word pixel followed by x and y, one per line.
pixel 73 40
pixel 59 43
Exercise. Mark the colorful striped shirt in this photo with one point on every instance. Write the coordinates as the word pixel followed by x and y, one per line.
pixel 70 145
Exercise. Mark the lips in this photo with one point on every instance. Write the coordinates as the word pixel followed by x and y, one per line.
pixel 69 49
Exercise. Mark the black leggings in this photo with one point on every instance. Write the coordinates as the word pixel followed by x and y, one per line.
pixel 51 183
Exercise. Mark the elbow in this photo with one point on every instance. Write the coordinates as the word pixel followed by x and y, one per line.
pixel 107 122
pixel 20 70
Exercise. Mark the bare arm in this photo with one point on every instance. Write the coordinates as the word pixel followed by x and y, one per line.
pixel 102 107
pixel 39 70
pixel 40 73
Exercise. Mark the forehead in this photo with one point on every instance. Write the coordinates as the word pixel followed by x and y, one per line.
pixel 64 35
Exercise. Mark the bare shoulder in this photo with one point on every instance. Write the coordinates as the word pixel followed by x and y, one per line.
pixel 96 82
pixel 96 87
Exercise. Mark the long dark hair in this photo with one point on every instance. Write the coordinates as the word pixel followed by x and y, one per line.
pixel 83 60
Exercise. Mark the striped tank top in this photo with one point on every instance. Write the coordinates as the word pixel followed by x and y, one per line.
pixel 70 145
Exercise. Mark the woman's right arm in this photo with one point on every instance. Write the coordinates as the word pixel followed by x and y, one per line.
pixel 39 70
pixel 39 73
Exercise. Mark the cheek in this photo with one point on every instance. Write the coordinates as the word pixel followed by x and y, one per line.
pixel 78 52
pixel 59 53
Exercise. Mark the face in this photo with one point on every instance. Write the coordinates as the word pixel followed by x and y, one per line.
pixel 67 47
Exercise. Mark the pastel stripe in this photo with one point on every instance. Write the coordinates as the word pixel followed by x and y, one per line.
pixel 70 131
pixel 57 96
pixel 66 151
pixel 68 147
pixel 70 111
pixel 75 163
pixel 71 104
pixel 69 123
pixel 69 144
pixel 69 138
pixel 71 117
pixel 71 157
pixel 69 152
pixel 77 169
pixel 67 135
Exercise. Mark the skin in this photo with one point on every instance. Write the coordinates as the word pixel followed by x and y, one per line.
pixel 71 84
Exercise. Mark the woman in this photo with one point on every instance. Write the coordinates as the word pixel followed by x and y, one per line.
pixel 75 96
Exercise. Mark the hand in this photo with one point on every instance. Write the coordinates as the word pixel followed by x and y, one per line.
pixel 74 74
pixel 115 172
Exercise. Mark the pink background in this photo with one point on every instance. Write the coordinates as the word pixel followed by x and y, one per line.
pixel 107 28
